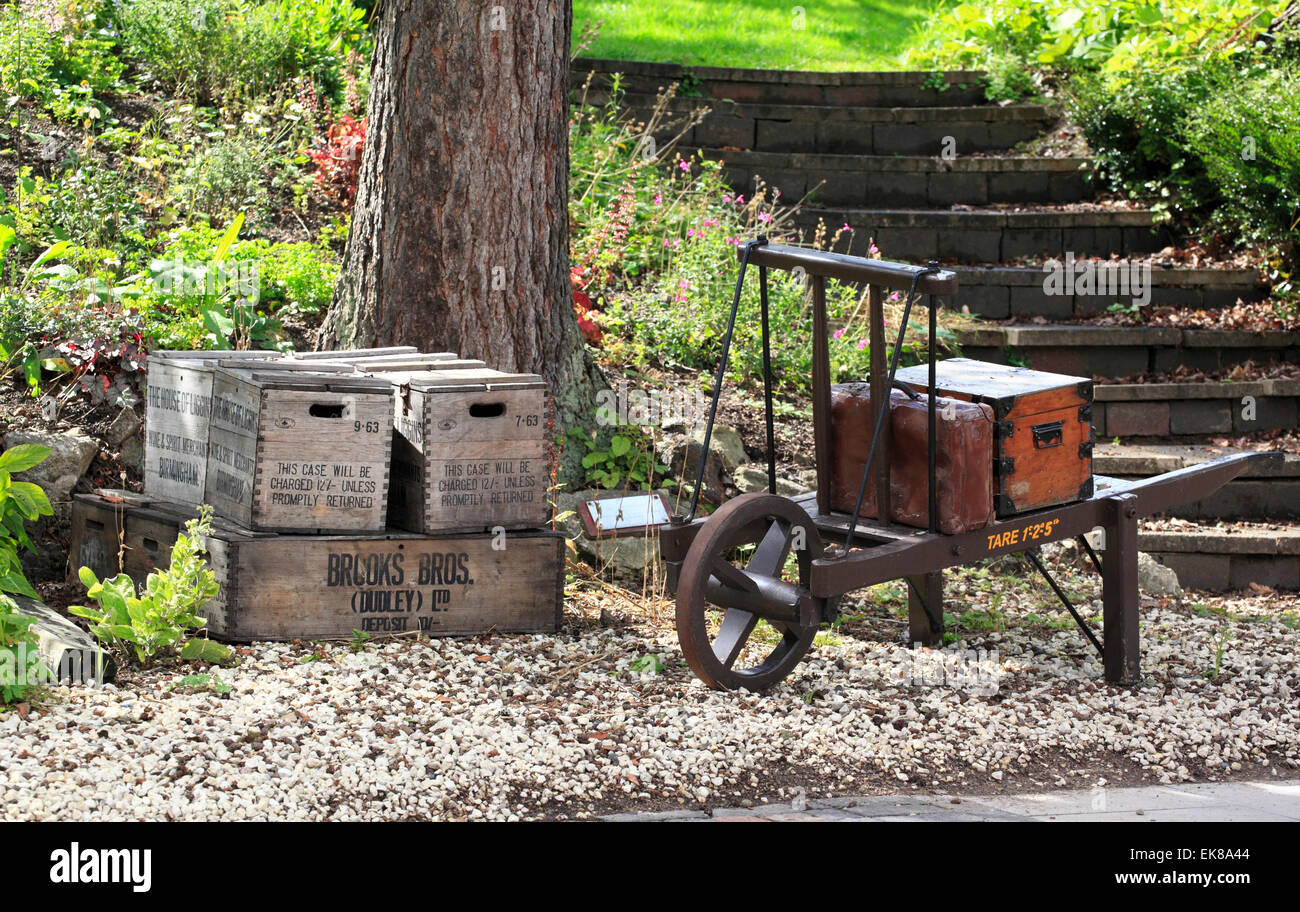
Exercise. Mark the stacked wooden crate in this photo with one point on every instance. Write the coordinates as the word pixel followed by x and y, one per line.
pixel 386 490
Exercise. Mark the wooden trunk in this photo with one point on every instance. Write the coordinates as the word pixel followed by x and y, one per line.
pixel 300 452
pixel 470 451
pixel 963 459
pixel 282 587
pixel 1042 430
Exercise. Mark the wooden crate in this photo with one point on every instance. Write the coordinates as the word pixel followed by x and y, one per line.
pixel 469 451
pixel 403 350
pixel 104 541
pixel 300 451
pixel 178 402
pixel 282 587
pixel 178 407
pixel 396 370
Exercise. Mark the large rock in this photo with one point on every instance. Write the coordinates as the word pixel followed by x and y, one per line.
pixel 125 425
pixel 751 478
pixel 725 444
pixel 65 649
pixel 1154 578
pixel 623 558
pixel 681 454
pixel 71 454
pixel 132 455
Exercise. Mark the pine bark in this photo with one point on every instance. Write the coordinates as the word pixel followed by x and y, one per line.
pixel 459 235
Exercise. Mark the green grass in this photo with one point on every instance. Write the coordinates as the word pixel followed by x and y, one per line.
pixel 836 35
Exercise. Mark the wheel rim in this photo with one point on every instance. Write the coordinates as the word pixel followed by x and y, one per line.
pixel 712 593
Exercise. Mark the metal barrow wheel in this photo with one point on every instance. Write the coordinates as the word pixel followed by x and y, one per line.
pixel 726 586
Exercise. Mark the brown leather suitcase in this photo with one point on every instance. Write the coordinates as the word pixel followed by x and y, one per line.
pixel 963 459
pixel 1042 431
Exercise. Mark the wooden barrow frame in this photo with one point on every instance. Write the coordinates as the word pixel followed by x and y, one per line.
pixel 698 553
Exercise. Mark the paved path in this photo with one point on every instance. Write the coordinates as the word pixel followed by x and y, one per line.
pixel 1275 800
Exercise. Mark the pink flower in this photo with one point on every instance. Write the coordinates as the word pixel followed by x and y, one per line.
pixel 764 217
pixel 659 200
pixel 862 343
pixel 838 334
pixel 726 197
pixel 874 250
pixel 740 199
pixel 684 165
pixel 710 223
pixel 846 227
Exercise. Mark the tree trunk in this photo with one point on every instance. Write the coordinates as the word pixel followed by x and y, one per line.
pixel 459 238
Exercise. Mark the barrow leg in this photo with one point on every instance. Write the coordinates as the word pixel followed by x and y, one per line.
pixel 925 611
pixel 1120 592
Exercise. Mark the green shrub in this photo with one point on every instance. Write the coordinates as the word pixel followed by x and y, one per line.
pixel 224 179
pixel 224 293
pixel 159 621
pixel 1217 144
pixel 20 502
pixel 92 206
pixel 234 52
pixel 1115 37
pixel 298 277
pixel 57 55
pixel 1136 131
pixel 1249 140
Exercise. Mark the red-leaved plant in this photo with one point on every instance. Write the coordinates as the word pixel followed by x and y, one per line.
pixel 338 158
pixel 584 309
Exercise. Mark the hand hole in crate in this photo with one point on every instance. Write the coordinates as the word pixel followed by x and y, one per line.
pixel 325 410
pixel 487 409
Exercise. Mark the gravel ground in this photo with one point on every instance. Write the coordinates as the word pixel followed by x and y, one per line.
pixel 554 726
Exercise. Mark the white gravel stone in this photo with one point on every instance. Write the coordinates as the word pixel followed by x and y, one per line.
pixel 532 726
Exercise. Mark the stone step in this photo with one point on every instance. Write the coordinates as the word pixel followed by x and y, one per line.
pixel 1122 351
pixel 1269 491
pixel 939 131
pixel 1228 557
pixel 1000 292
pixel 879 89
pixel 1165 409
pixel 992 235
pixel 906 181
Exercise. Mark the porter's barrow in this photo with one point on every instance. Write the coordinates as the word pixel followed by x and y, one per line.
pixel 786 561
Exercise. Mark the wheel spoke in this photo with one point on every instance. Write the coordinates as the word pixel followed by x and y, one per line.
pixel 769 557
pixel 732 576
pixel 732 635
